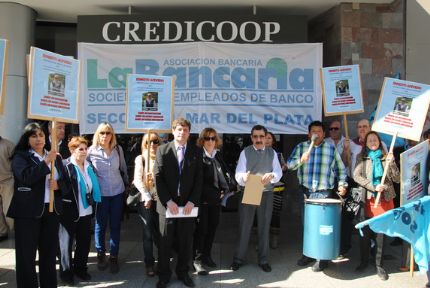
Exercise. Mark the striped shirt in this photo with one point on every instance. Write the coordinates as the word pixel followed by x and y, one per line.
pixel 322 169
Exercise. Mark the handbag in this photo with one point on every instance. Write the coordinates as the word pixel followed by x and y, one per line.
pixel 133 197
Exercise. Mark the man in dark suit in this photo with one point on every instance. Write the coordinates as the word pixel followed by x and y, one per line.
pixel 60 127
pixel 178 177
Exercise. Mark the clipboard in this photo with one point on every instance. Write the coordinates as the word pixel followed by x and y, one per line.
pixel 253 190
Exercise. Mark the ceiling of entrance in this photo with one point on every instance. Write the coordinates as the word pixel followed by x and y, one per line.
pixel 67 10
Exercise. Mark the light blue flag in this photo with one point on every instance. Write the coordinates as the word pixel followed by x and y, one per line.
pixel 409 222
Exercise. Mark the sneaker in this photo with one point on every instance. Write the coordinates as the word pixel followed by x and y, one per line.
pixel 113 265
pixel 305 260
pixel 200 269
pixel 320 265
pixel 382 273
pixel 101 261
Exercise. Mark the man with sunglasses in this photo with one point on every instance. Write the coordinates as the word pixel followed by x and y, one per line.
pixel 257 159
pixel 178 178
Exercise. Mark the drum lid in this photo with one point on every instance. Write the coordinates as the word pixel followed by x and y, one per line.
pixel 323 201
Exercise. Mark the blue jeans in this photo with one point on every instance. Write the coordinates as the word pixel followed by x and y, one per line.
pixel 110 208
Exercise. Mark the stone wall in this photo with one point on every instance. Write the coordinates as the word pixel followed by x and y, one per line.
pixel 371 35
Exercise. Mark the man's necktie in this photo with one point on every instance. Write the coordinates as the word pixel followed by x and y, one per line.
pixel 181 155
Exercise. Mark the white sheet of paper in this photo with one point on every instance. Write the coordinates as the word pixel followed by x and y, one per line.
pixel 180 214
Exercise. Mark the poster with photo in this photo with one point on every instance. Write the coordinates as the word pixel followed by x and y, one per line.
pixel 54 86
pixel 342 90
pixel 4 44
pixel 414 178
pixel 402 108
pixel 149 103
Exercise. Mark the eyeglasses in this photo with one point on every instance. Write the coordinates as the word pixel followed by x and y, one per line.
pixel 333 128
pixel 258 136
pixel 209 138
pixel 82 149
pixel 105 133
pixel 155 141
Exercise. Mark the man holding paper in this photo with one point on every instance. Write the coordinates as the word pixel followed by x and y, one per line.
pixel 262 161
pixel 318 165
pixel 178 177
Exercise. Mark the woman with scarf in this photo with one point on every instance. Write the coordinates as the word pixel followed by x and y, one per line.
pixel 36 229
pixel 215 185
pixel 144 182
pixel 75 223
pixel 368 174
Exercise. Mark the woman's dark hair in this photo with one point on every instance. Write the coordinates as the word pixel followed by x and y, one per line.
pixel 29 130
pixel 364 151
pixel 274 143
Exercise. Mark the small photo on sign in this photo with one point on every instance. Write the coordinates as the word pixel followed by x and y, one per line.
pixel 415 174
pixel 56 84
pixel 150 101
pixel 342 88
pixel 402 106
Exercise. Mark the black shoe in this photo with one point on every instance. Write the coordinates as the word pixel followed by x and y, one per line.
pixel 101 261
pixel 113 265
pixel 67 278
pixel 4 237
pixel 320 265
pixel 186 279
pixel 382 273
pixel 305 260
pixel 265 267
pixel 360 268
pixel 235 266
pixel 150 271
pixel 161 284
pixel 396 242
pixel 208 261
pixel 199 268
pixel 83 275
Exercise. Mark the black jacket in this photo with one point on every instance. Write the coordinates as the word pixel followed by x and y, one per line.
pixel 62 149
pixel 29 193
pixel 71 198
pixel 214 179
pixel 167 177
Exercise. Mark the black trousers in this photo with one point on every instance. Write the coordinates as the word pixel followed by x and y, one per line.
pixel 207 224
pixel 81 232
pixel 176 232
pixel 368 234
pixel 346 231
pixel 31 235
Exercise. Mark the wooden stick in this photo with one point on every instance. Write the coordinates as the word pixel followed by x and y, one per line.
pixel 148 157
pixel 348 157
pixel 53 147
pixel 387 163
pixel 411 266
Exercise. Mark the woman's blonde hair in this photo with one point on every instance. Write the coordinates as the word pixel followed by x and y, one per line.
pixel 104 127
pixel 154 136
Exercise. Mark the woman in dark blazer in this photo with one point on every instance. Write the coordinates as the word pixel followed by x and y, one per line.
pixel 36 229
pixel 75 223
pixel 214 186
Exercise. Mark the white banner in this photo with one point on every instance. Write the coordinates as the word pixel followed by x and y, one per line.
pixel 230 87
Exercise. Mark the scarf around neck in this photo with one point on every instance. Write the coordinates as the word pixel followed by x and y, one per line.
pixel 83 186
pixel 377 169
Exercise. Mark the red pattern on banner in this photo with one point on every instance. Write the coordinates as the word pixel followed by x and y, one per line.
pixel 399 120
pixel 343 101
pixel 416 190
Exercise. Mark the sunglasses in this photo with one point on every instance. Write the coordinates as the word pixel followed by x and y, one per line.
pixel 334 128
pixel 155 141
pixel 258 136
pixel 105 133
pixel 209 138
pixel 82 149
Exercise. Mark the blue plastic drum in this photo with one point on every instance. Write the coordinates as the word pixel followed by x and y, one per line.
pixel 321 233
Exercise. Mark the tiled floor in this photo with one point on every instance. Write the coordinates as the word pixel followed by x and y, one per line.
pixel 283 260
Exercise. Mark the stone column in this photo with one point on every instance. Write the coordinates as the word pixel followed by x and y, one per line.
pixel 17 23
